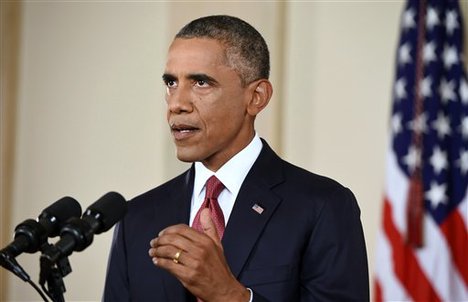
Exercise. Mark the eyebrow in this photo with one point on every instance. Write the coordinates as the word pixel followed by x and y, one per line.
pixel 168 77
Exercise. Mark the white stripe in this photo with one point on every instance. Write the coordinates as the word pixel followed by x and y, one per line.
pixel 463 210
pixel 397 186
pixel 436 262
pixel 389 282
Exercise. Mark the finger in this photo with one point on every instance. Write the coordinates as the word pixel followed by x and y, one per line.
pixel 174 228
pixel 181 229
pixel 167 245
pixel 168 252
pixel 162 252
pixel 177 269
pixel 177 240
pixel 194 244
pixel 208 226
pixel 176 265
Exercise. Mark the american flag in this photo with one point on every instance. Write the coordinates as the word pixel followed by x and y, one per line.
pixel 422 247
pixel 257 208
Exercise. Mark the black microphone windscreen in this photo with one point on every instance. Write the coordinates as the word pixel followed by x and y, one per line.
pixel 55 215
pixel 109 209
pixel 63 209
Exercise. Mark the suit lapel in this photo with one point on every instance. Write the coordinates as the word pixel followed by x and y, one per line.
pixel 246 224
pixel 180 198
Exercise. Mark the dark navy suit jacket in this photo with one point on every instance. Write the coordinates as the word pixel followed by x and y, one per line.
pixel 307 245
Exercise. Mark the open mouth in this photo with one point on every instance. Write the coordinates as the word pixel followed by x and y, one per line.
pixel 183 128
pixel 181 131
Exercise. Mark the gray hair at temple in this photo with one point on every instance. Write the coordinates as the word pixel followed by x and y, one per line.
pixel 246 50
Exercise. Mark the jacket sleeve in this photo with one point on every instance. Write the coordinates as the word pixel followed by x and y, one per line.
pixel 334 265
pixel 257 298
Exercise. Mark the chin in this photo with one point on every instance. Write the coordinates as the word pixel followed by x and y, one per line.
pixel 185 160
pixel 186 156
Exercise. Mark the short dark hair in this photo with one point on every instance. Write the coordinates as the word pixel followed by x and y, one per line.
pixel 246 50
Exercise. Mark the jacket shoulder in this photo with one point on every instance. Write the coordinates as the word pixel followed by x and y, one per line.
pixel 160 193
pixel 308 179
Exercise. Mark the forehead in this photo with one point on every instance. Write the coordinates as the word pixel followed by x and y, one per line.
pixel 196 52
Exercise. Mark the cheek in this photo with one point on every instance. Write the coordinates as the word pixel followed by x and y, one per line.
pixel 235 111
pixel 224 121
pixel 219 111
pixel 168 112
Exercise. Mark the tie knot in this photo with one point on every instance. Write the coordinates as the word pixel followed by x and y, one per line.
pixel 213 187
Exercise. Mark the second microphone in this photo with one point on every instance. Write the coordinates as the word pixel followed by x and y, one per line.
pixel 78 233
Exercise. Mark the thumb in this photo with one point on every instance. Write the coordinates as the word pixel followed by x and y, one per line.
pixel 208 225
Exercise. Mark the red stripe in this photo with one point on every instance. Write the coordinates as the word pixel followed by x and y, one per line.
pixel 457 238
pixel 405 264
pixel 377 291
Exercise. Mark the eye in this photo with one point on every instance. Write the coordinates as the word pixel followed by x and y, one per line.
pixel 201 83
pixel 170 83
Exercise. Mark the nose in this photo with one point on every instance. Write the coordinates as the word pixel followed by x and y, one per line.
pixel 179 100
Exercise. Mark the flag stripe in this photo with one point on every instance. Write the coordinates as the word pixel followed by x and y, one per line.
pixel 437 264
pixel 463 210
pixel 385 275
pixel 377 291
pixel 405 263
pixel 457 238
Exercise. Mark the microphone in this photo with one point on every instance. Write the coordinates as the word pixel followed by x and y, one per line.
pixel 77 234
pixel 30 235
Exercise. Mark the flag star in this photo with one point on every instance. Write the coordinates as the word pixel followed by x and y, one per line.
pixel 450 56
pixel 413 158
pixel 464 127
pixel 439 160
pixel 404 55
pixel 442 125
pixel 447 90
pixel 429 54
pixel 464 91
pixel 396 123
pixel 432 18
pixel 451 22
pixel 408 19
pixel 400 91
pixel 436 194
pixel 425 88
pixel 419 124
pixel 463 161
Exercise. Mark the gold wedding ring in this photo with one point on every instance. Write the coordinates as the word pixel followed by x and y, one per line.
pixel 176 257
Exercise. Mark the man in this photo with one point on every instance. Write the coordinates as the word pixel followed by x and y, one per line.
pixel 263 229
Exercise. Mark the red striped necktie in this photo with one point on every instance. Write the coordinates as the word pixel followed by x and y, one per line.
pixel 213 188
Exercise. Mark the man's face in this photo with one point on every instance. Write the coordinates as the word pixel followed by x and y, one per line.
pixel 206 103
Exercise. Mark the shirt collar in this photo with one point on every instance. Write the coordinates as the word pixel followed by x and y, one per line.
pixel 233 172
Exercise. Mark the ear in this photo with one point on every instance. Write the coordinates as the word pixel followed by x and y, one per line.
pixel 262 91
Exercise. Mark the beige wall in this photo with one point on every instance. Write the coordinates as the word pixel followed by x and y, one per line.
pixel 9 45
pixel 91 109
pixel 90 118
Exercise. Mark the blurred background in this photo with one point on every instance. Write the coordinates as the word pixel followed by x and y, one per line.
pixel 83 110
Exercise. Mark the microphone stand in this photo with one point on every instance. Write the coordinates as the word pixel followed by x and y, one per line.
pixel 8 261
pixel 52 273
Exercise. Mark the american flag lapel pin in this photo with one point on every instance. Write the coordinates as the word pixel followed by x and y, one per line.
pixel 257 208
